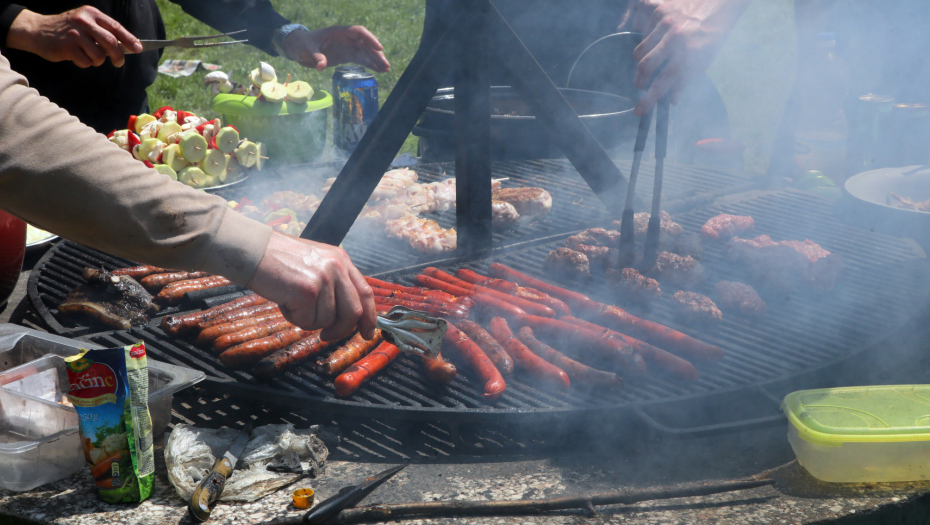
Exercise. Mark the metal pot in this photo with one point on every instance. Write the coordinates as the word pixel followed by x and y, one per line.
pixel 515 133
pixel 12 251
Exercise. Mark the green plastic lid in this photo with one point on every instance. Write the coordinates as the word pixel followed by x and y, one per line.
pixel 248 106
pixel 869 414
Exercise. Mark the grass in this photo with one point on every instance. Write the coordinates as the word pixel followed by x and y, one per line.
pixel 753 71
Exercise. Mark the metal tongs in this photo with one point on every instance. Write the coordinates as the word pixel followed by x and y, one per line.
pixel 189 42
pixel 413 332
pixel 651 250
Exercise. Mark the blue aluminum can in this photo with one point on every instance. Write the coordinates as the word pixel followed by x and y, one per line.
pixel 358 105
pixel 338 81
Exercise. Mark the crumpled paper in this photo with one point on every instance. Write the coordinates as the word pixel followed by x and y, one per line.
pixel 190 453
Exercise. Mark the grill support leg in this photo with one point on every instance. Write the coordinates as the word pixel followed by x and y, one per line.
pixel 472 122
pixel 387 133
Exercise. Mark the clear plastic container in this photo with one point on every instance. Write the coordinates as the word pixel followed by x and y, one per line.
pixel 31 363
pixel 861 434
pixel 38 442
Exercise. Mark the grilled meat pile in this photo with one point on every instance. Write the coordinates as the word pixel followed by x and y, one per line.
pixel 114 300
pixel 785 267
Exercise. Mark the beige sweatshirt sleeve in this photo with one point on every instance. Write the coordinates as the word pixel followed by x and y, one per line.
pixel 60 175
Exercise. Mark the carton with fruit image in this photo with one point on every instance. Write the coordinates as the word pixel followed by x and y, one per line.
pixel 109 390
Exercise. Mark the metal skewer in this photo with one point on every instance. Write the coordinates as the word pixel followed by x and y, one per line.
pixel 626 221
pixel 651 251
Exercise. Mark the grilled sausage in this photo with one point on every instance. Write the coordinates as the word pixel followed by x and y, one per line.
pixel 242 313
pixel 209 335
pixel 526 360
pixel 295 352
pixel 453 313
pixel 501 359
pixel 483 301
pixel 447 300
pixel 258 331
pixel 256 349
pixel 175 291
pixel 611 350
pixel 439 370
pixel 617 318
pixel 356 348
pixel 663 359
pixel 138 272
pixel 527 306
pixel 366 368
pixel 418 291
pixel 529 294
pixel 579 373
pixel 158 281
pixel 175 325
pixel 480 363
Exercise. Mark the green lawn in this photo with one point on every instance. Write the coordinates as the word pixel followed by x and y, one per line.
pixel 754 70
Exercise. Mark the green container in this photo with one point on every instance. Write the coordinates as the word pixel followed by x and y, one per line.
pixel 293 133
pixel 861 434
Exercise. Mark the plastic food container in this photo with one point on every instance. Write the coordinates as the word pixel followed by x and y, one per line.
pixel 293 133
pixel 38 442
pixel 861 434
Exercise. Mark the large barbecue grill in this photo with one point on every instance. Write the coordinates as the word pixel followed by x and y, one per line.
pixel 788 349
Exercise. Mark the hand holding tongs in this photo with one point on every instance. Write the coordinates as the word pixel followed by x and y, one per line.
pixel 651 251
pixel 413 332
pixel 187 42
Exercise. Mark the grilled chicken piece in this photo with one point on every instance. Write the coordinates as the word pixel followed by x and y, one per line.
pixel 117 301
pixel 908 204
pixel 531 203
pixel 724 226
pixel 304 205
pixel 503 214
pixel 695 308
pixel 739 298
pixel 632 286
pixel 677 271
pixel 564 262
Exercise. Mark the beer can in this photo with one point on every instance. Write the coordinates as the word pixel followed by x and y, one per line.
pixel 358 105
pixel 338 76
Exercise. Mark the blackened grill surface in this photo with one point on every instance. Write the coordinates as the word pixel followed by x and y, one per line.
pixel 876 296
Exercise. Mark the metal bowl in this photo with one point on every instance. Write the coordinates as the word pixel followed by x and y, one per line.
pixel 865 202
pixel 515 133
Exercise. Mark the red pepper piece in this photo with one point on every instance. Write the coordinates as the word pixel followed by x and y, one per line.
pixel 201 127
pixel 132 140
pixel 279 221
pixel 183 115
pixel 148 164
pixel 212 143
pixel 110 134
pixel 161 111
pixel 131 125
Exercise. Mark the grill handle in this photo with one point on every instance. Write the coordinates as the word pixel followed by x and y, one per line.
pixel 716 428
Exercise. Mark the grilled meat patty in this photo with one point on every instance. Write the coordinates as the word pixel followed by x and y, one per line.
pixel 739 298
pixel 115 300
pixel 784 267
pixel 725 226
pixel 594 237
pixel 633 286
pixel 677 271
pixel 565 262
pixel 696 308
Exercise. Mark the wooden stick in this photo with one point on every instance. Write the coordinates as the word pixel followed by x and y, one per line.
pixel 526 507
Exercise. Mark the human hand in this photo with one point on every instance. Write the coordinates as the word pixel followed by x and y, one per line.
pixel 684 35
pixel 316 286
pixel 84 36
pixel 336 45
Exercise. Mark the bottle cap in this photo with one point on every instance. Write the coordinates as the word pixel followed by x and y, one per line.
pixel 303 498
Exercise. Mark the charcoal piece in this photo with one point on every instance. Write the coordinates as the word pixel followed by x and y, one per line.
pixel 289 463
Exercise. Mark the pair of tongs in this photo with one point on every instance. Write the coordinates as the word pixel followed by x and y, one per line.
pixel 413 332
pixel 627 230
pixel 327 509
pixel 189 42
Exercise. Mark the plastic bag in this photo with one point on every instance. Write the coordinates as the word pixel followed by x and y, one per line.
pixel 110 390
pixel 190 453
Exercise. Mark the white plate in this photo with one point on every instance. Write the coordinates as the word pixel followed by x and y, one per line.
pixel 36 237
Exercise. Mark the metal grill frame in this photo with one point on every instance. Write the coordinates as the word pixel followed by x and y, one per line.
pixel 658 401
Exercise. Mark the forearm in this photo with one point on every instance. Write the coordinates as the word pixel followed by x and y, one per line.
pixel 257 16
pixel 8 13
pixel 60 175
